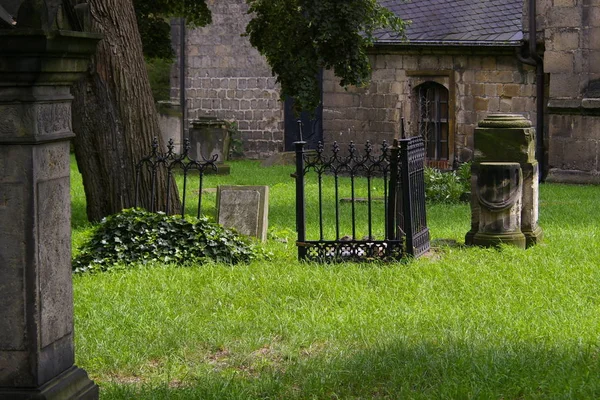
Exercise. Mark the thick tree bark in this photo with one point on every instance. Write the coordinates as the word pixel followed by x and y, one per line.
pixel 114 115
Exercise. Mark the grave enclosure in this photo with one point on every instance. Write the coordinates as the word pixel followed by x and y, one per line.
pixel 399 169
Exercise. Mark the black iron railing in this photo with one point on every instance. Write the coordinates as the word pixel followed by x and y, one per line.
pixel 397 168
pixel 156 163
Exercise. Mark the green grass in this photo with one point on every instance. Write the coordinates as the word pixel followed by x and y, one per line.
pixel 462 323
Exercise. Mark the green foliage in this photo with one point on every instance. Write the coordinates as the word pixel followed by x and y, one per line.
pixel 159 74
pixel 300 37
pixel 138 236
pixel 236 146
pixel 464 323
pixel 297 37
pixel 155 30
pixel 447 187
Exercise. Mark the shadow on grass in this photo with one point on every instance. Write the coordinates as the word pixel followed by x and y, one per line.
pixel 450 369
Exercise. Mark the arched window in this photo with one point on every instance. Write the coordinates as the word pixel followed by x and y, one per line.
pixel 433 120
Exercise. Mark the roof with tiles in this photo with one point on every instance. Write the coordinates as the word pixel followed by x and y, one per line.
pixel 459 22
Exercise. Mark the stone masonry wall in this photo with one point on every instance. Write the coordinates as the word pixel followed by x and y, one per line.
pixel 478 85
pixel 228 79
pixel 572 58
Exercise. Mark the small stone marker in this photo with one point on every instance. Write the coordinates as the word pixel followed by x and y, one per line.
pixel 245 209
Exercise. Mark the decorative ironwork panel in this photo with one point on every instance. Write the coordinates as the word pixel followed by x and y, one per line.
pixel 341 251
pixel 401 168
pixel 414 219
pixel 169 162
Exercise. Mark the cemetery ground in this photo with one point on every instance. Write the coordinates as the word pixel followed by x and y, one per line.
pixel 460 323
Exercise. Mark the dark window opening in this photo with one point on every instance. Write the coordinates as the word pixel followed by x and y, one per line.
pixel 433 122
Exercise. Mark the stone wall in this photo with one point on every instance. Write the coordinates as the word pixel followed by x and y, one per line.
pixel 478 84
pixel 572 58
pixel 228 79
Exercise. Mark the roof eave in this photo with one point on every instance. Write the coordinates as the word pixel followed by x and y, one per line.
pixel 449 43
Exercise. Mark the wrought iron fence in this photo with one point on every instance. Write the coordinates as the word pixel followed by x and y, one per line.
pixel 169 162
pixel 398 168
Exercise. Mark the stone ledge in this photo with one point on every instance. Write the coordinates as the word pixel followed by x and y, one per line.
pixel 35 140
pixel 584 106
pixel 590 103
pixel 556 175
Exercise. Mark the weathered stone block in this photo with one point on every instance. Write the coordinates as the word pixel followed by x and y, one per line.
pixel 566 39
pixel 564 17
pixel 565 85
pixel 209 137
pixel 507 138
pixel 579 155
pixel 244 208
pixel 509 90
pixel 558 62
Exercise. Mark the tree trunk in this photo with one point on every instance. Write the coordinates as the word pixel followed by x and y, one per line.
pixel 114 116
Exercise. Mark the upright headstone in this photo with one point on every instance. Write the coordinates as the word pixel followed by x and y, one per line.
pixel 508 138
pixel 41 54
pixel 244 208
pixel 209 137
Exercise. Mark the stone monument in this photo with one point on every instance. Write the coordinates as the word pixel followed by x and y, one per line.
pixel 210 137
pixel 499 191
pixel 245 209
pixel 43 50
pixel 507 138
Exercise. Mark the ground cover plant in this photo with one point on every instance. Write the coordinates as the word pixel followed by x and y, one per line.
pixel 461 323
pixel 136 236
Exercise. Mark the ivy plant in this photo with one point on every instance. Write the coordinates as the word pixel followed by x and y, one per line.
pixel 136 236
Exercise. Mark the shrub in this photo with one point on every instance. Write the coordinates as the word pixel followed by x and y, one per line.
pixel 448 187
pixel 138 236
pixel 159 74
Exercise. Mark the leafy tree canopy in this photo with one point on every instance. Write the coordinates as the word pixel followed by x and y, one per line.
pixel 299 37
pixel 155 30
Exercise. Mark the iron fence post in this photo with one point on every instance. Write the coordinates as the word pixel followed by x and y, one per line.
pixel 407 197
pixel 390 218
pixel 300 206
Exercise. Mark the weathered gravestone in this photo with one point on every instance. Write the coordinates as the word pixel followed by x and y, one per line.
pixel 504 138
pixel 244 208
pixel 42 52
pixel 209 137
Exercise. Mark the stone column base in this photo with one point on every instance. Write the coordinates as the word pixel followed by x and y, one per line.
pixel 533 237
pixel 469 237
pixel 495 239
pixel 73 384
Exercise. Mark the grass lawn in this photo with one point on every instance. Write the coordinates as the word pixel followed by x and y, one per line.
pixel 461 323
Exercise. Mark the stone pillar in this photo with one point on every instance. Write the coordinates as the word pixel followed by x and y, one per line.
pixel 499 192
pixel 37 67
pixel 508 138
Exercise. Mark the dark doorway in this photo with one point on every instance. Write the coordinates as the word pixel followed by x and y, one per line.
pixel 434 124
pixel 312 124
